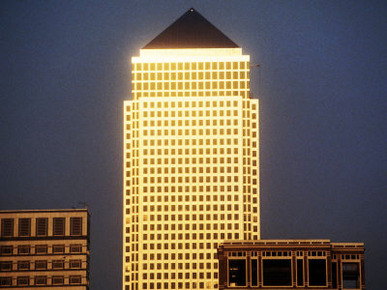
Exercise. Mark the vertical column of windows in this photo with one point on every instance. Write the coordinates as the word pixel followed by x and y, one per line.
pixel 255 169
pixel 134 198
pixel 246 168
pixel 127 188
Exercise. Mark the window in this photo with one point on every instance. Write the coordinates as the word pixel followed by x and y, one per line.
pixel 57 280
pixel 58 226
pixel 6 266
pixel 277 272
pixel 237 272
pixel 76 226
pixel 334 275
pixel 24 280
pixel 300 272
pixel 75 264
pixel 6 250
pixel 7 227
pixel 254 272
pixel 40 265
pixel 351 276
pixel 76 279
pixel 57 249
pixel 41 249
pixel 23 265
pixel 24 249
pixel 76 248
pixel 58 264
pixel 5 281
pixel 40 280
pixel 317 272
pixel 24 227
pixel 41 227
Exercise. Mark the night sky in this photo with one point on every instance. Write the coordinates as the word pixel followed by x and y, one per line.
pixel 322 85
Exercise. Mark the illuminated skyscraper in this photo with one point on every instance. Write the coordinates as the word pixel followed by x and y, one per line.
pixel 191 157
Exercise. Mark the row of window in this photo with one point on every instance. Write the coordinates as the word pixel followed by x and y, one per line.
pixel 194 208
pixel 224 198
pixel 188 189
pixel 190 132
pixel 194 122
pixel 193 217
pixel 193 104
pixel 40 249
pixel 187 198
pixel 190 76
pixel 193 246
pixel 191 113
pixel 196 141
pixel 173 103
pixel 226 218
pixel 190 93
pixel 194 226
pixel 189 179
pixel 221 122
pixel 277 254
pixel 200 188
pixel 40 265
pixel 279 273
pixel 190 66
pixel 205 86
pixel 175 285
pixel 182 276
pixel 190 237
pixel 39 280
pixel 194 169
pixel 41 227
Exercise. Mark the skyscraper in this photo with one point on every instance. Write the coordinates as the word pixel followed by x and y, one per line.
pixel 191 157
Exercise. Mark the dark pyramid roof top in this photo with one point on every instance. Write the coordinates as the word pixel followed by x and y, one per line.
pixel 191 30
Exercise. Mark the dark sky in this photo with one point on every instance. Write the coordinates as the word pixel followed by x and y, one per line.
pixel 322 87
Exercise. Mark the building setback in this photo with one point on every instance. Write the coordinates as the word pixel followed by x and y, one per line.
pixel 295 264
pixel 191 157
pixel 45 249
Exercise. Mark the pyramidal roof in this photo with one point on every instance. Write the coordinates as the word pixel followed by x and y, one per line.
pixel 191 30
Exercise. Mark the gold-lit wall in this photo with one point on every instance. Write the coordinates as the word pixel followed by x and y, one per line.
pixel 191 166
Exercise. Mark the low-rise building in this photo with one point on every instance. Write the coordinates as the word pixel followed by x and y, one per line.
pixel 296 264
pixel 45 249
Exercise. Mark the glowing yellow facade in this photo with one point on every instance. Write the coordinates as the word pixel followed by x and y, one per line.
pixel 191 165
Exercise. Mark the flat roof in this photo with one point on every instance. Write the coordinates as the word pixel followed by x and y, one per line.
pixel 286 242
pixel 43 210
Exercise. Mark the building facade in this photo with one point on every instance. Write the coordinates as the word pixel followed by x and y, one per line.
pixel 45 249
pixel 191 157
pixel 291 264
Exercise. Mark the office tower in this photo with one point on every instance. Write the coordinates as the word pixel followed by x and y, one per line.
pixel 191 157
pixel 290 264
pixel 45 249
